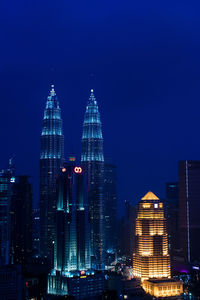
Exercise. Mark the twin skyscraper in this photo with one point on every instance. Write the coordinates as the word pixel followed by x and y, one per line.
pixel 67 190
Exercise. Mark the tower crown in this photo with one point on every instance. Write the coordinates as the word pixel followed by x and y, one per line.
pixel 150 196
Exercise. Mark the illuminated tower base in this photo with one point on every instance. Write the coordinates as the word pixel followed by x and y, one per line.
pixel 163 287
pixel 151 260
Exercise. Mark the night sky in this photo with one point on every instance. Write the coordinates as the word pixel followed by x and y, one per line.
pixel 141 57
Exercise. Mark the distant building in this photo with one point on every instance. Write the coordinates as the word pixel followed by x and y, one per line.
pixel 21 221
pixel 92 160
pixel 11 282
pixel 172 215
pixel 189 205
pixel 6 181
pixel 51 159
pixel 127 230
pixel 110 200
pixel 36 231
pixel 151 260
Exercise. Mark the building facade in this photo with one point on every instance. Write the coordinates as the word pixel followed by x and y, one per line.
pixel 51 159
pixel 110 200
pixel 189 206
pixel 21 221
pixel 72 253
pixel 92 159
pixel 151 258
pixel 6 182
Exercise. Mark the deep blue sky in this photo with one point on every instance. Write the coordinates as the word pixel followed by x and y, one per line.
pixel 141 57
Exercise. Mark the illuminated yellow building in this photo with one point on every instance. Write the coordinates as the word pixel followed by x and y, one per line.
pixel 151 260
pixel 163 288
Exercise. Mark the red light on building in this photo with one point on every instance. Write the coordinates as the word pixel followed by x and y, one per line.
pixel 72 158
pixel 82 272
pixel 78 170
pixel 64 170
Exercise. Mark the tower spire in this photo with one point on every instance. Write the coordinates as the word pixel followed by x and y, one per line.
pixel 52 91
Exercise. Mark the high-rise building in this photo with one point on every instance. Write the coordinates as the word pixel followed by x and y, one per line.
pixel 92 160
pixel 6 181
pixel 51 159
pixel 189 206
pixel 127 230
pixel 172 216
pixel 151 260
pixel 72 242
pixel 21 221
pixel 110 200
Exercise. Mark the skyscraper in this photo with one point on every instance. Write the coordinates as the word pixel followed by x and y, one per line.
pixel 51 159
pixel 151 260
pixel 72 240
pixel 6 181
pixel 21 220
pixel 189 206
pixel 72 244
pixel 110 200
pixel 92 159
pixel 172 216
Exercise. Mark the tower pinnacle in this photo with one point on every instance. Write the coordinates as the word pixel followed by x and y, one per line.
pixel 52 91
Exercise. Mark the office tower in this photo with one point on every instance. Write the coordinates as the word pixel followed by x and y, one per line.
pixel 51 159
pixel 36 231
pixel 151 260
pixel 172 216
pixel 110 200
pixel 92 159
pixel 189 205
pixel 21 221
pixel 6 181
pixel 72 244
pixel 72 241
pixel 127 230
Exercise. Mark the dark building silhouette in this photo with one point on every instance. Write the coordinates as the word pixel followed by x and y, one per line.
pixel 36 231
pixel 11 282
pixel 21 221
pixel 6 182
pixel 51 159
pixel 127 230
pixel 189 206
pixel 92 160
pixel 172 216
pixel 110 200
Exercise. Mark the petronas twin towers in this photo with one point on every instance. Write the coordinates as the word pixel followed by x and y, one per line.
pixel 52 159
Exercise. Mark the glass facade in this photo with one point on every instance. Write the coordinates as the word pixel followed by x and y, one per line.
pixel 51 159
pixel 92 159
pixel 5 197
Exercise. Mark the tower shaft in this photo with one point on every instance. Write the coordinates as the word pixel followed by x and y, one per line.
pixel 92 159
pixel 51 158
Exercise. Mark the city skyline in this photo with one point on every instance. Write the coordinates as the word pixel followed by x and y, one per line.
pixel 143 66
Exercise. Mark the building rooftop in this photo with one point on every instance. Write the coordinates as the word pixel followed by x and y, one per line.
pixel 162 280
pixel 150 196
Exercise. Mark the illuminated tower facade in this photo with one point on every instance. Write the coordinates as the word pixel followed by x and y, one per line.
pixel 151 258
pixel 51 159
pixel 72 245
pixel 72 239
pixel 92 159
